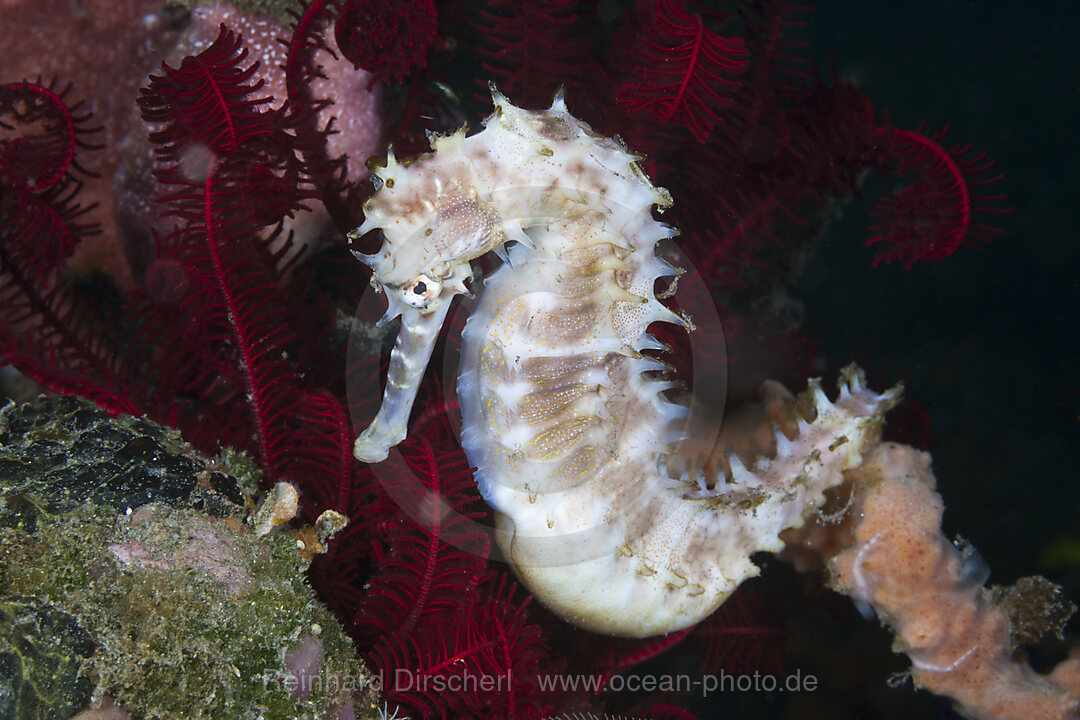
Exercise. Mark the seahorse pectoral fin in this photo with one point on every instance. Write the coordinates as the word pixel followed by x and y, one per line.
pixel 408 361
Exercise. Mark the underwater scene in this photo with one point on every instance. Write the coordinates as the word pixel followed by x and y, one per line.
pixel 528 359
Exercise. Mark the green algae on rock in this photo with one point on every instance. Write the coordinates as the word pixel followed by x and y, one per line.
pixel 56 454
pixel 135 544
pixel 41 651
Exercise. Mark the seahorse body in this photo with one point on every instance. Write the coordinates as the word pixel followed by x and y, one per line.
pixel 563 417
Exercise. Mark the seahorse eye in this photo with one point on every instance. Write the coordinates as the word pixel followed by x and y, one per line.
pixel 420 291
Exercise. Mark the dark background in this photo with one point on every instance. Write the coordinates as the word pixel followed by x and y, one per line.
pixel 986 340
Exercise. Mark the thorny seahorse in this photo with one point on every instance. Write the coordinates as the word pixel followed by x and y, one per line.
pixel 565 419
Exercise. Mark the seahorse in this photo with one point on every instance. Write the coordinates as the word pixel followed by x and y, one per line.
pixel 564 416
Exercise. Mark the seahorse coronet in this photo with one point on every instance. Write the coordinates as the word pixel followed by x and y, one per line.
pixel 563 417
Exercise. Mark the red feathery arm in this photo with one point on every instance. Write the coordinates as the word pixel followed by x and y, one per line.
pixel 684 70
pixel 941 208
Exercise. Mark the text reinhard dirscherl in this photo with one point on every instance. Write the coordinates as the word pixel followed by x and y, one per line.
pixel 404 680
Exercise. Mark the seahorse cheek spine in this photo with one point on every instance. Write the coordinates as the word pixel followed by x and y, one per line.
pixel 563 416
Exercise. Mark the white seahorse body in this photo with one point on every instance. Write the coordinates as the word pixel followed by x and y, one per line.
pixel 563 416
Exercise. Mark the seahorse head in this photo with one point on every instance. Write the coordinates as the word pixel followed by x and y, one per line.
pixel 434 224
